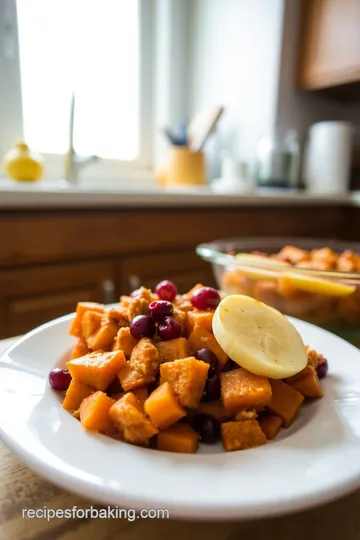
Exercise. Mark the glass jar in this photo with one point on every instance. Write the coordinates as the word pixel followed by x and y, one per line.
pixel 277 160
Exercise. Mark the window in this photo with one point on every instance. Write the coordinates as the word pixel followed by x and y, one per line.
pixel 100 52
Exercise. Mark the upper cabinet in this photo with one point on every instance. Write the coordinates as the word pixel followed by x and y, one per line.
pixel 330 44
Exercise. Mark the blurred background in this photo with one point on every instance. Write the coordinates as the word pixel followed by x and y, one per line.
pixel 133 130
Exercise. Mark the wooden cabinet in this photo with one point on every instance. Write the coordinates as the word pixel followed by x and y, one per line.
pixel 32 296
pixel 183 267
pixel 330 44
pixel 50 260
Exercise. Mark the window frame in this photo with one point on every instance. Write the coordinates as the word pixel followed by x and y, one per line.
pixel 139 168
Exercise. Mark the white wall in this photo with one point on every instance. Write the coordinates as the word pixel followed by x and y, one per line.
pixel 234 62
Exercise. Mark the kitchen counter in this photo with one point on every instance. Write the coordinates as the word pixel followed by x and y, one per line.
pixel 45 196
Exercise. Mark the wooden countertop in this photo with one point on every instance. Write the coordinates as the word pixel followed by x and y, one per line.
pixel 20 488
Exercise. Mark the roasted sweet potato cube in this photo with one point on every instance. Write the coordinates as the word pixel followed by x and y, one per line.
pixel 174 349
pixel 90 323
pixel 128 416
pixel 162 408
pixel 94 412
pixel 181 318
pixel 187 378
pixel 203 319
pixel 314 358
pixel 80 349
pixel 270 425
pixel 195 288
pixel 214 409
pixel 81 309
pixel 307 383
pixel 241 389
pixel 246 414
pixel 200 338
pixel 141 394
pixel 183 303
pixel 119 314
pixel 178 438
pixel 97 369
pixel 139 304
pixel 103 338
pixel 145 357
pixel 132 378
pixel 285 401
pixel 241 435
pixel 76 392
pixel 124 341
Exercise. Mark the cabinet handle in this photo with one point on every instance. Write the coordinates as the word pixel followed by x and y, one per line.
pixel 109 291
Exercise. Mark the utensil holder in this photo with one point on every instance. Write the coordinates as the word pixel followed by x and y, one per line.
pixel 185 167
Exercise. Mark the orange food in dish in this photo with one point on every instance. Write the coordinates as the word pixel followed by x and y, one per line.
pixel 151 379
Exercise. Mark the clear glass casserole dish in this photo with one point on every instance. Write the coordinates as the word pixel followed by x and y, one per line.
pixel 316 280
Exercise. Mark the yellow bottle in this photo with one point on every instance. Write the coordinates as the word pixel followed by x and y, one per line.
pixel 22 164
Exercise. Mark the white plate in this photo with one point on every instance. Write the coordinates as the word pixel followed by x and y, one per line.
pixel 315 460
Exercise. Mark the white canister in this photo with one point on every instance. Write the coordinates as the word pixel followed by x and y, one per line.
pixel 328 158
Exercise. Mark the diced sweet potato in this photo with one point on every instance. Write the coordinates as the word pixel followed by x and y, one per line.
pixel 200 338
pixel 120 315
pixel 94 412
pixel 128 416
pixel 162 408
pixel 214 409
pixel 203 319
pixel 195 288
pixel 145 357
pixel 174 349
pixel 241 389
pixel 241 435
pixel 314 358
pixel 97 369
pixel 132 378
pixel 183 303
pixel 76 392
pixel 141 394
pixel 187 378
pixel 81 309
pixel 124 341
pixel 178 438
pixel 246 414
pixel 307 383
pixel 285 401
pixel 80 349
pixel 270 425
pixel 181 318
pixel 90 323
pixel 103 338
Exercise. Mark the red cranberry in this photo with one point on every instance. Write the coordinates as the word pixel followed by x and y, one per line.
pixel 159 309
pixel 205 298
pixel 169 329
pixel 212 388
pixel 142 326
pixel 322 368
pixel 166 290
pixel 60 378
pixel 209 357
pixel 207 428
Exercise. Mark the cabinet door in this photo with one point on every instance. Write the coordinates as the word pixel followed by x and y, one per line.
pixel 32 296
pixel 182 267
pixel 330 43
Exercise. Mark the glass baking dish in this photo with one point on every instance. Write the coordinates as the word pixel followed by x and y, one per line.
pixel 327 298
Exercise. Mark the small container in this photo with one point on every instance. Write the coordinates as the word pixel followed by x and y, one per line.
pixel 328 158
pixel 277 161
pixel 23 165
pixel 185 167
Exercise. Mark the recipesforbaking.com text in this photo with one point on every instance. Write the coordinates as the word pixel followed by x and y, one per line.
pixel 92 512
